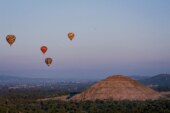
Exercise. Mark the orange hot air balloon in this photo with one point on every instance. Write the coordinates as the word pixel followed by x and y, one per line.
pixel 48 61
pixel 10 39
pixel 44 49
pixel 71 35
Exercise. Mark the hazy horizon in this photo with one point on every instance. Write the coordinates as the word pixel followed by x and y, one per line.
pixel 111 37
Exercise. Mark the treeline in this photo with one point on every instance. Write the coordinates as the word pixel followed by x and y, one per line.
pixel 159 106
pixel 25 101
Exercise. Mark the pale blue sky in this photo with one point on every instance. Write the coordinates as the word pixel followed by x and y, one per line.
pixel 112 37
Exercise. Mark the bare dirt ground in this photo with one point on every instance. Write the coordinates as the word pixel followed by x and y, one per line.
pixel 63 98
pixel 166 94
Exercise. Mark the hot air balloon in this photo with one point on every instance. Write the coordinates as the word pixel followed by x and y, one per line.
pixel 44 49
pixel 71 35
pixel 48 61
pixel 10 39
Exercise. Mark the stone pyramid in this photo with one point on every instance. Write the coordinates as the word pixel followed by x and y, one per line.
pixel 118 87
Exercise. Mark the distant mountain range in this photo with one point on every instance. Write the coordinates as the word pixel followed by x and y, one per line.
pixel 160 80
pixel 7 80
pixel 136 77
pixel 13 80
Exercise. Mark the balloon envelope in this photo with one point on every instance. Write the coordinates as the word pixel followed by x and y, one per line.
pixel 10 39
pixel 48 61
pixel 44 49
pixel 71 35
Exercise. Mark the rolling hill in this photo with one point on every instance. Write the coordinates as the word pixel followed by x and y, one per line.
pixel 160 82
